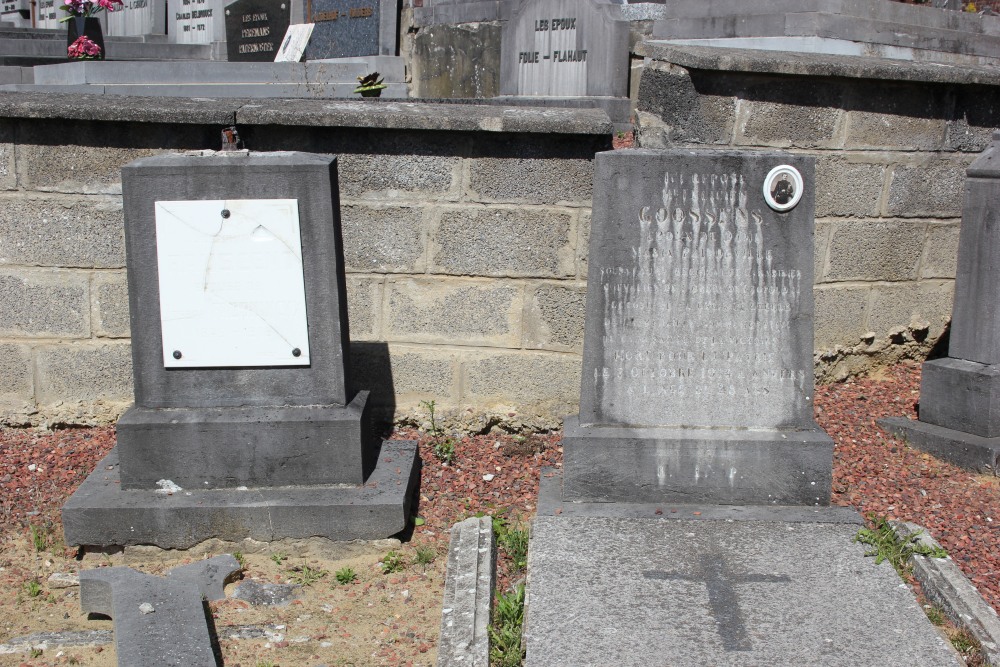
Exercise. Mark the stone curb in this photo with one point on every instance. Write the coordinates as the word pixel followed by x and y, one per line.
pixel 468 595
pixel 945 585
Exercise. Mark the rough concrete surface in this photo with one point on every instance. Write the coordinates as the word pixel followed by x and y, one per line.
pixel 468 595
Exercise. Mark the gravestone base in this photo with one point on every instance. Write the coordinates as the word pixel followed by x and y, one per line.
pixel 691 465
pixel 619 109
pixel 245 446
pixel 103 514
pixel 961 395
pixel 966 450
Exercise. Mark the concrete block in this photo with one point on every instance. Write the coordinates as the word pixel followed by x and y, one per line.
pixel 849 185
pixel 554 315
pixel 532 380
pixel 468 595
pixel 821 243
pixel 210 575
pixel 62 231
pixel 975 118
pixel 583 243
pixel 44 303
pixel 940 252
pixel 383 239
pixel 841 314
pixel 896 117
pixel 428 310
pixel 932 188
pixel 15 374
pixel 85 371
pixel 667 93
pixel 921 303
pixel 867 250
pixel 524 178
pixel 405 374
pixel 961 395
pixel 504 242
pixel 364 306
pixel 8 172
pixel 407 171
pixel 790 114
pixel 109 297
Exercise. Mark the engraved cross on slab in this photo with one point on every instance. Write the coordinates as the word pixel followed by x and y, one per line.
pixel 723 600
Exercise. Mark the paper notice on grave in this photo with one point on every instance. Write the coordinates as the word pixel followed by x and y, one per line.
pixel 232 291
pixel 254 28
pixel 293 46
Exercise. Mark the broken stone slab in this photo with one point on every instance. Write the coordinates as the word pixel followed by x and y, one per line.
pixel 47 640
pixel 209 575
pixel 174 633
pixel 944 584
pixel 269 595
pixel 63 580
pixel 468 595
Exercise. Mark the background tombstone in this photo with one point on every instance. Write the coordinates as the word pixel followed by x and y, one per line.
pixel 16 13
pixel 139 17
pixel 195 21
pixel 256 28
pixel 960 394
pixel 564 48
pixel 349 28
pixel 47 14
pixel 697 377
pixel 239 344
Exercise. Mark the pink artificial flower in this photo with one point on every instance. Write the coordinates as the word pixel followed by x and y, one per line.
pixel 83 48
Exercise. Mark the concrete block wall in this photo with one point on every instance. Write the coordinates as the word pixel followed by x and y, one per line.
pixel 890 173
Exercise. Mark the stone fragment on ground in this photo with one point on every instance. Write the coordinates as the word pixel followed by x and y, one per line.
pixel 63 580
pixel 258 594
pixel 49 640
pixel 209 575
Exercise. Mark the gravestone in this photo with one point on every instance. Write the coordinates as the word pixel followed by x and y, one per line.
pixel 959 417
pixel 697 361
pixel 255 29
pixel 564 48
pixel 245 422
pixel 48 13
pixel 196 21
pixel 138 17
pixel 349 28
pixel 16 12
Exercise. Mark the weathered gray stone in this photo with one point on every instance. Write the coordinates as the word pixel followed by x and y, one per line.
pixel 841 315
pixel 267 595
pixel 525 179
pixel 791 115
pixel 867 250
pixel 63 580
pixel 383 178
pixel 456 61
pixel 956 446
pixel 549 381
pixel 364 306
pixel 553 317
pixel 8 173
pixel 44 303
pixel 821 247
pixel 430 310
pixel 174 633
pixel 962 395
pixel 64 232
pixel 940 252
pixel 84 371
pixel 717 593
pixel 47 640
pixel 932 188
pixel 583 243
pixel 849 185
pixel 16 378
pixel 468 595
pixel 209 575
pixel 897 118
pixel 504 242
pixel 923 304
pixel 667 93
pixel 109 296
pixel 383 239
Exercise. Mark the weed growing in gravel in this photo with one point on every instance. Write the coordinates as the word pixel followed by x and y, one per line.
pixel 279 557
pixel 430 409
pixel 32 588
pixel 425 556
pixel 968 646
pixel 513 540
pixel 888 546
pixel 393 562
pixel 36 653
pixel 241 559
pixel 305 575
pixel 39 538
pixel 346 575
pixel 444 449
pixel 934 615
pixel 505 631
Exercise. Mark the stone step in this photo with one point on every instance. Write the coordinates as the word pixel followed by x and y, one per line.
pixel 214 90
pixel 43 46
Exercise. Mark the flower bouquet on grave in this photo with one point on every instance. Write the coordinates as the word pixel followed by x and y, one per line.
pixel 83 49
pixel 85 38
pixel 88 8
pixel 370 85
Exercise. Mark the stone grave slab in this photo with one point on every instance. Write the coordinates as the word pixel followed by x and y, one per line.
pixel 255 29
pixel 196 21
pixel 564 48
pixel 960 394
pixel 633 592
pixel 348 28
pixel 697 363
pixel 47 14
pixel 138 17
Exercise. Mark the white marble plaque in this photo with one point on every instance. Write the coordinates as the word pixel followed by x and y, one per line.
pixel 294 44
pixel 232 291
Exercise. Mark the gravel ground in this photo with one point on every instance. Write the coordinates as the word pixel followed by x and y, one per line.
pixel 499 475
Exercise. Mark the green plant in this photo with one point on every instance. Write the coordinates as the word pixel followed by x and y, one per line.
pixel 346 575
pixel 241 559
pixel 425 556
pixel 279 557
pixel 39 538
pixel 266 663
pixel 505 631
pixel 305 575
pixel 934 615
pixel 430 409
pixel 889 546
pixel 393 562
pixel 513 540
pixel 964 642
pixel 32 588
pixel 444 449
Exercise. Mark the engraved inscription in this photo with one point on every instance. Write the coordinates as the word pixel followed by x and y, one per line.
pixel 554 64
pixel 697 313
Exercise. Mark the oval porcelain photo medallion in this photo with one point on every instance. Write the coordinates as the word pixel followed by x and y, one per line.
pixel 783 188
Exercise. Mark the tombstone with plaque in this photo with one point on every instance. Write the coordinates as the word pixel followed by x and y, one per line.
pixel 140 17
pixel 196 21
pixel 245 423
pixel 47 14
pixel 697 378
pixel 255 29
pixel 16 13
pixel 349 28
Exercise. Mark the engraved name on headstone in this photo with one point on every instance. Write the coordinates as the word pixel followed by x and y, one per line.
pixel 255 28
pixel 47 14
pixel 564 48
pixel 16 12
pixel 195 21
pixel 139 17
pixel 347 28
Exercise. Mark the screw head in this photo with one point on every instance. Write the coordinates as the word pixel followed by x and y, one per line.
pixel 177 354
pixel 225 213
pixel 296 352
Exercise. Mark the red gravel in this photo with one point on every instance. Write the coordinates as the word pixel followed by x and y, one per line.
pixel 872 473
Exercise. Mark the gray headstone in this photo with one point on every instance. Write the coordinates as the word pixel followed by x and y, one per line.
pixel 697 376
pixel 255 29
pixel 960 394
pixel 16 12
pixel 348 28
pixel 196 21
pixel 564 48
pixel 139 17
pixel 47 14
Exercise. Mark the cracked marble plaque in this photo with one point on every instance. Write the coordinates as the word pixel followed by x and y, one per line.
pixel 232 292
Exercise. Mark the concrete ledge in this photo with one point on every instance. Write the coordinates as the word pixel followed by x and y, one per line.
pixel 966 450
pixel 945 585
pixel 468 595
pixel 101 513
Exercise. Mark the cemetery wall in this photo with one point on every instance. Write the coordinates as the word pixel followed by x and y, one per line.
pixel 892 143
